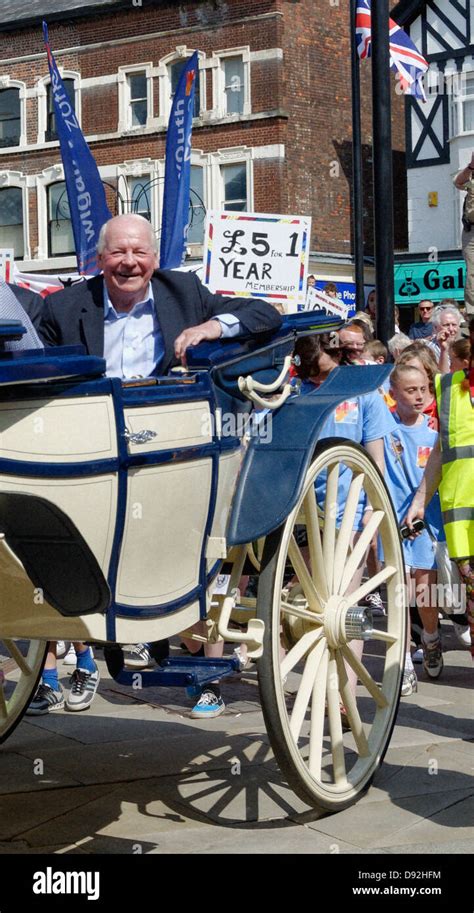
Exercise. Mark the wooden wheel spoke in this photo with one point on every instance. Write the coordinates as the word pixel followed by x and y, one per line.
pixel 358 552
pixel 330 517
pixel 350 703
pixel 289 608
pixel 18 657
pixel 314 542
pixel 298 651
pixel 384 636
pixel 305 689
pixel 365 678
pixel 347 524
pixel 372 584
pixel 335 722
pixel 317 718
pixel 304 576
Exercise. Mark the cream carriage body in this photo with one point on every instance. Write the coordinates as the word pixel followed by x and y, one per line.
pixel 120 502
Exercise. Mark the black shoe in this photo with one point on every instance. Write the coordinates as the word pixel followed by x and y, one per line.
pixel 46 700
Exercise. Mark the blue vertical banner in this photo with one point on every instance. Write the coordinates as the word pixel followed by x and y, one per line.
pixel 175 220
pixel 86 194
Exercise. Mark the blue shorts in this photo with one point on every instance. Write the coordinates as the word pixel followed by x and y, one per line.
pixel 420 553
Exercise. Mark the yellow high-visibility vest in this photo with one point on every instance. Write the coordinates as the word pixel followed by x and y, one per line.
pixel 456 491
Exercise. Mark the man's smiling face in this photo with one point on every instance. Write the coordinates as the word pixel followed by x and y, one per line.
pixel 128 260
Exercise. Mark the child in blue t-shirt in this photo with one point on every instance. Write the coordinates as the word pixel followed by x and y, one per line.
pixel 406 453
pixel 362 419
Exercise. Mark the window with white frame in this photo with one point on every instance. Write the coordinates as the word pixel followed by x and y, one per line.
pixel 11 220
pixel 10 117
pixel 174 72
pixel 138 98
pixel 234 187
pixel 140 196
pixel 234 84
pixel 60 235
pixel 135 86
pixel 51 132
pixel 462 94
pixel 197 206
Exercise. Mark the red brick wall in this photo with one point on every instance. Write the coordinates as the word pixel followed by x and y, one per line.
pixel 311 87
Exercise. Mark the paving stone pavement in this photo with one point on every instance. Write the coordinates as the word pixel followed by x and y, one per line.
pixel 134 774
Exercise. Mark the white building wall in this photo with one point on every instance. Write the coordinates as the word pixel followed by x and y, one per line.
pixel 431 226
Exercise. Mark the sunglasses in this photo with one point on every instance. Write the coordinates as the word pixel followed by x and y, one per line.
pixel 425 309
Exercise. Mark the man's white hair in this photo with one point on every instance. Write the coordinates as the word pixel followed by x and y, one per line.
pixel 398 343
pixel 444 309
pixel 102 242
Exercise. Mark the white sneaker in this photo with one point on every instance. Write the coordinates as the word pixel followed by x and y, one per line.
pixel 70 657
pixel 463 634
pixel 60 649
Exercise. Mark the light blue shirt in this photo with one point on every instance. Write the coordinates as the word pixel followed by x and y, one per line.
pixel 133 341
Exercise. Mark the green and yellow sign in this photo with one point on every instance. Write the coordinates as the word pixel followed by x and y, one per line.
pixel 437 280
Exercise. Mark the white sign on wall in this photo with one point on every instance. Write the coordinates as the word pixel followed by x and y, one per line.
pixel 316 300
pixel 6 264
pixel 257 255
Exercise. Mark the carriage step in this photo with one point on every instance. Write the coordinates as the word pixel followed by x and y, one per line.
pixel 181 672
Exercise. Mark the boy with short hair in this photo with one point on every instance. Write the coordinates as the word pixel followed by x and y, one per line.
pixel 406 454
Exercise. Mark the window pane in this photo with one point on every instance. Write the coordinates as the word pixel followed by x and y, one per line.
pixel 235 187
pixel 10 124
pixel 60 236
pixel 140 196
pixel 51 119
pixel 139 113
pixel 234 84
pixel 468 115
pixel 11 220
pixel 468 81
pixel 197 209
pixel 175 70
pixel 137 86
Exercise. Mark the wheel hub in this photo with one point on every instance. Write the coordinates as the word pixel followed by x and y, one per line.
pixel 344 622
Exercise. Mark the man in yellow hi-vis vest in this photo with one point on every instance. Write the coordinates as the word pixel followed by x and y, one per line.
pixel 451 469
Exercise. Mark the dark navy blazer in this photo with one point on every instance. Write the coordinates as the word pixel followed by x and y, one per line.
pixel 76 315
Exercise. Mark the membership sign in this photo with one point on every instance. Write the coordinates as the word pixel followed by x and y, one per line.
pixel 257 255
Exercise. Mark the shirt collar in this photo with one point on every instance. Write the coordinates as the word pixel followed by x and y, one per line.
pixel 110 311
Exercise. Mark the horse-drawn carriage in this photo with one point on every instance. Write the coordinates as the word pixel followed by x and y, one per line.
pixel 120 503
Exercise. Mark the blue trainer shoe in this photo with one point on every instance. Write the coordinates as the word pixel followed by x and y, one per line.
pixel 208 706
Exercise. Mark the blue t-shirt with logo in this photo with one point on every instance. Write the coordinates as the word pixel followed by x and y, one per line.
pixel 360 419
pixel 407 450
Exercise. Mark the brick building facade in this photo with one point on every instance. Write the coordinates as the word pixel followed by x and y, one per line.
pixel 273 125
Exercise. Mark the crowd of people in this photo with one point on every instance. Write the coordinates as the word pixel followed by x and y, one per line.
pixel 400 427
pixel 119 316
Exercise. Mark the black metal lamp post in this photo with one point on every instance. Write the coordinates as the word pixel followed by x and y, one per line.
pixel 383 179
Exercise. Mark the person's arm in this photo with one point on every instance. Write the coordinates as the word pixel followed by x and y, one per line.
pixel 428 485
pixel 226 317
pixel 443 339
pixel 47 327
pixel 465 175
pixel 376 451
pixel 254 315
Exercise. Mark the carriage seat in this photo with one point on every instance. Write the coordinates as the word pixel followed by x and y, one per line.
pixel 54 554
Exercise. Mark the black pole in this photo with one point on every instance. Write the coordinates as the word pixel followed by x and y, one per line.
pixel 383 180
pixel 357 185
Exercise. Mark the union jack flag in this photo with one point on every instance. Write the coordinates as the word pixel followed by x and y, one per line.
pixel 404 56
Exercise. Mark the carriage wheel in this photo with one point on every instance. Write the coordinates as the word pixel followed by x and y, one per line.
pixel 21 664
pixel 328 736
